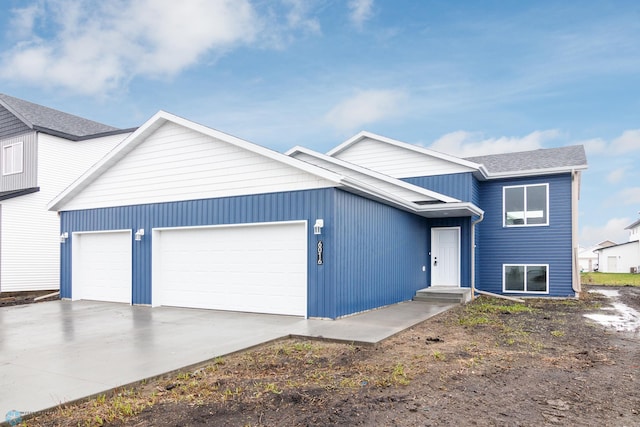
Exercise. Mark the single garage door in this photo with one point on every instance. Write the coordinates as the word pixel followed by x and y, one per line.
pixel 101 266
pixel 260 268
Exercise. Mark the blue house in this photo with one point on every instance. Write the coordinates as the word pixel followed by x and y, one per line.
pixel 179 214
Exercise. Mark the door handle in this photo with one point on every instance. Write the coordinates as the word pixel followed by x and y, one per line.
pixel 435 261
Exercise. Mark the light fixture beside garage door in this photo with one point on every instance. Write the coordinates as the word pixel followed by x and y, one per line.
pixel 317 227
pixel 139 234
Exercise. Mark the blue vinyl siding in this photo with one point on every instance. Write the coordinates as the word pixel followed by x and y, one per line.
pixel 373 253
pixel 498 245
pixel 462 186
pixel 379 252
pixel 286 206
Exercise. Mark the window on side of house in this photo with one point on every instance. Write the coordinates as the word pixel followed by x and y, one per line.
pixel 525 278
pixel 526 205
pixel 12 158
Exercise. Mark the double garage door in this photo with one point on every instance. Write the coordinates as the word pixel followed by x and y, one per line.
pixel 259 268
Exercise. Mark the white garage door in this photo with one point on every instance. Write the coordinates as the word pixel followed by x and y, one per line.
pixel 260 268
pixel 101 266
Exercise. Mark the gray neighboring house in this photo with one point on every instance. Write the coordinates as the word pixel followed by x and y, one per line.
pixel 42 151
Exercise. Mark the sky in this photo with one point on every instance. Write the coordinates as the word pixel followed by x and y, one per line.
pixel 461 77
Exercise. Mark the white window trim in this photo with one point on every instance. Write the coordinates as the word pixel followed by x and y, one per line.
pixel 504 207
pixel 4 154
pixel 504 282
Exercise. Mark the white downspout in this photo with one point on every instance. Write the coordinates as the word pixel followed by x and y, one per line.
pixel 473 255
pixel 575 195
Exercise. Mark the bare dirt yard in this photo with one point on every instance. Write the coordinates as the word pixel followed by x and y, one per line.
pixel 489 363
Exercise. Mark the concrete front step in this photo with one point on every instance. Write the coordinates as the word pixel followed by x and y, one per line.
pixel 444 294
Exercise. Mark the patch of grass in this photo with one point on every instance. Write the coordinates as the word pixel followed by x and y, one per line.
pixel 557 334
pixel 438 355
pixel 399 375
pixel 611 279
pixel 485 311
pixel 495 307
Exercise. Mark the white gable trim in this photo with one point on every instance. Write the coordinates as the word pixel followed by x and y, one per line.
pixel 420 191
pixel 148 128
pixel 534 172
pixel 424 151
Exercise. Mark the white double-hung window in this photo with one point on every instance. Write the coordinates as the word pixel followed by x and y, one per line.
pixel 526 205
pixel 12 158
pixel 525 278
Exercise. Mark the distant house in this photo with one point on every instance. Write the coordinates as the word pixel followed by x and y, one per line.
pixel 180 214
pixel 622 258
pixel 588 257
pixel 42 151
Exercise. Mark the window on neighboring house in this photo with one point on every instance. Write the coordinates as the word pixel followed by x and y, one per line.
pixel 12 158
pixel 526 205
pixel 525 278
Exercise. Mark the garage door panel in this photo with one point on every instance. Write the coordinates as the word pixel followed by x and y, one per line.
pixel 101 266
pixel 255 268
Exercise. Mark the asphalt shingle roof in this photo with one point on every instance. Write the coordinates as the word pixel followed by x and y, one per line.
pixel 55 122
pixel 547 158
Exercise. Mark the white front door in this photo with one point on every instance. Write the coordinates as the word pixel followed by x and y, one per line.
pixel 445 256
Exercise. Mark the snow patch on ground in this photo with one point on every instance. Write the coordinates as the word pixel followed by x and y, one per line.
pixel 622 318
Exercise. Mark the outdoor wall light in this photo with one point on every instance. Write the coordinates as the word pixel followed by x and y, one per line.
pixel 139 234
pixel 63 237
pixel 317 227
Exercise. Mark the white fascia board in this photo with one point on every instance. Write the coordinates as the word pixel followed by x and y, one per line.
pixel 158 119
pixel 475 210
pixel 377 175
pixel 412 147
pixel 535 172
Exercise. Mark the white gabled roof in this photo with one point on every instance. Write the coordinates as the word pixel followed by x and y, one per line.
pixel 410 191
pixel 426 203
pixel 150 126
pixel 495 166
pixel 425 151
pixel 411 197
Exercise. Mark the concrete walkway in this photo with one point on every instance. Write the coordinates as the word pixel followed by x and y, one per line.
pixel 60 351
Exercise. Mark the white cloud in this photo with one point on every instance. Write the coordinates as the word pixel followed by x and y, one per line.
pixel 298 16
pixel 99 46
pixel 627 142
pixel 24 19
pixel 629 196
pixel 594 146
pixel 364 108
pixel 613 230
pixel 360 11
pixel 466 144
pixel 616 175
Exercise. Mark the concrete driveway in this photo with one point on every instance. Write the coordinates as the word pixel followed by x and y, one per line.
pixel 60 351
